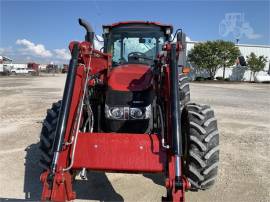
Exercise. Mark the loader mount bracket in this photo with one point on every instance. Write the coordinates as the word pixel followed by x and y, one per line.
pixel 61 189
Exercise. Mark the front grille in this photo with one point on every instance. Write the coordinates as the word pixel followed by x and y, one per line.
pixel 129 98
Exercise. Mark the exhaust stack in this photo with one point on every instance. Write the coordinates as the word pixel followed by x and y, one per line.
pixel 89 36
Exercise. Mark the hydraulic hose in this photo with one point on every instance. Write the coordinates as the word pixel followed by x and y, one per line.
pixel 65 106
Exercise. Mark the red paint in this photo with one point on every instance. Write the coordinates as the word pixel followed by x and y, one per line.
pixel 119 152
pixel 130 77
pixel 62 189
pixel 112 151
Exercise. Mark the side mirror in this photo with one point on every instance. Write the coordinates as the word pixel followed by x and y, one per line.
pixel 179 36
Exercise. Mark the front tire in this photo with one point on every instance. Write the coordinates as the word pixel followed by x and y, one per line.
pixel 47 135
pixel 202 156
pixel 184 91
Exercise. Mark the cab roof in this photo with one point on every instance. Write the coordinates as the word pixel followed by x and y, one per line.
pixel 122 24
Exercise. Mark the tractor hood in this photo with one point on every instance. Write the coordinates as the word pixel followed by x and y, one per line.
pixel 130 77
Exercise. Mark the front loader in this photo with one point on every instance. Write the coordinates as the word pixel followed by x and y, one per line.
pixel 126 108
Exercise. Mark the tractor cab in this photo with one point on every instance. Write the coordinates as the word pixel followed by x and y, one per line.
pixel 134 47
pixel 135 42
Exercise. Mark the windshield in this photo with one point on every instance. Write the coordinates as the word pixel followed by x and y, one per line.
pixel 135 49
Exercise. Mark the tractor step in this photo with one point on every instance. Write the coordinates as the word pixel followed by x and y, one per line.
pixel 119 152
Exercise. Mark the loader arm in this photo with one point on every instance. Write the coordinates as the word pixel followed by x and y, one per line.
pixel 57 181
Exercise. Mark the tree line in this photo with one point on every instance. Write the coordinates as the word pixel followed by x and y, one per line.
pixel 212 55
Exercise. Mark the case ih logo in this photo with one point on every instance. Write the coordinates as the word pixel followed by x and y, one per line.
pixel 235 23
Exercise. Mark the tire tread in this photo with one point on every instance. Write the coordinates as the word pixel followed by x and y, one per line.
pixel 202 159
pixel 47 136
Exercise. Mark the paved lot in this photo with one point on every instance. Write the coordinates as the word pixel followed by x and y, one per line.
pixel 243 112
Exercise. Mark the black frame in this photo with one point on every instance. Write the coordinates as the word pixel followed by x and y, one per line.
pixel 127 29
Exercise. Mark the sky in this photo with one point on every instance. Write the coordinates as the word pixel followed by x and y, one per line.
pixel 40 31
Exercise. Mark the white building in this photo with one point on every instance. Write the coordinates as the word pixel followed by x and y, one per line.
pixel 17 65
pixel 42 67
pixel 4 63
pixel 235 72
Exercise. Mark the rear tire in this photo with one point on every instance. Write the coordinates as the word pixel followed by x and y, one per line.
pixel 184 92
pixel 202 151
pixel 47 135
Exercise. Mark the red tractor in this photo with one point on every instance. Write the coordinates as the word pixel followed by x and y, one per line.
pixel 127 109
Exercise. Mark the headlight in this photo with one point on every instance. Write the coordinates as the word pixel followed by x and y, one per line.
pixel 114 112
pixel 136 113
pixel 117 113
pixel 125 113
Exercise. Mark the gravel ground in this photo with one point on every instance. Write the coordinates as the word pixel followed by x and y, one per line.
pixel 242 110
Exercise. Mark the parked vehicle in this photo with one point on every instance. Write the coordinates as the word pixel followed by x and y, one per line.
pixel 22 71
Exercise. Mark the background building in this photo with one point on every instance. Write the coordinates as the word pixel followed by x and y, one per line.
pixel 4 64
pixel 234 72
